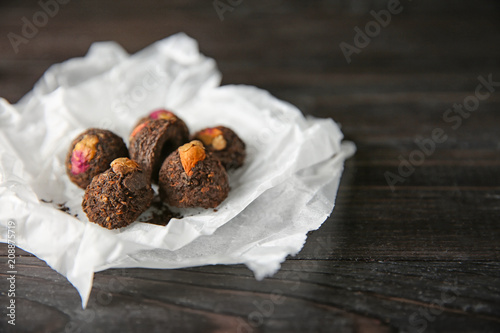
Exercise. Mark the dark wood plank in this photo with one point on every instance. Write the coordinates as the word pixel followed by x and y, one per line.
pixel 306 295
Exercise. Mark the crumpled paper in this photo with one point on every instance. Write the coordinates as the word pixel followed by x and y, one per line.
pixel 286 188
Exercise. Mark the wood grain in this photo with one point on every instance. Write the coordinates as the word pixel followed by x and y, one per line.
pixel 422 257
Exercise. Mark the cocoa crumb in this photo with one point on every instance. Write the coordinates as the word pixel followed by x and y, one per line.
pixel 61 206
pixel 161 214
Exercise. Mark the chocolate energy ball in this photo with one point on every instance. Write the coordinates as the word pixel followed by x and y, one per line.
pixel 116 197
pixel 153 140
pixel 225 144
pixel 192 177
pixel 90 153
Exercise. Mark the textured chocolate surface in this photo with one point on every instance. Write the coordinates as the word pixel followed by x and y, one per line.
pixel 207 187
pixel 114 199
pixel 152 143
pixel 108 147
pixel 233 154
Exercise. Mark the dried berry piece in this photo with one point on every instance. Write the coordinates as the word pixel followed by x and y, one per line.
pixel 225 144
pixel 90 154
pixel 137 129
pixel 83 152
pixel 153 140
pixel 116 197
pixel 191 177
pixel 161 114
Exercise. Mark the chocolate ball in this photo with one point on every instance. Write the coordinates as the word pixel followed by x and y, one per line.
pixel 90 153
pixel 191 177
pixel 152 140
pixel 116 197
pixel 225 144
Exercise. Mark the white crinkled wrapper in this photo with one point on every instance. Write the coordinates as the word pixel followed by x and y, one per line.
pixel 286 188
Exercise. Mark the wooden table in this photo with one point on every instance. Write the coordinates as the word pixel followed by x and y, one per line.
pixel 413 243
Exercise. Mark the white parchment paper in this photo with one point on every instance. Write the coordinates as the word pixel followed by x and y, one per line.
pixel 286 188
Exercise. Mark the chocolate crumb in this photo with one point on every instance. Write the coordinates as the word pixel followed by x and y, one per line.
pixel 161 214
pixel 63 208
